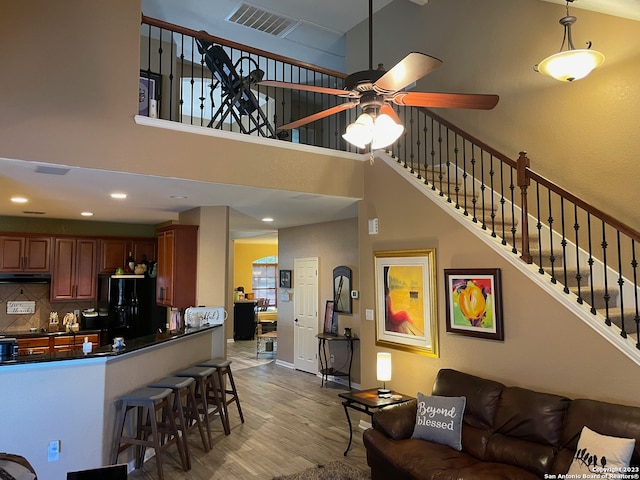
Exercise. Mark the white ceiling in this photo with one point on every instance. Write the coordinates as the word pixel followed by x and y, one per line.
pixel 149 201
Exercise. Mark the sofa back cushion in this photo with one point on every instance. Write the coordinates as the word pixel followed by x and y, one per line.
pixel 481 402
pixel 527 429
pixel 605 418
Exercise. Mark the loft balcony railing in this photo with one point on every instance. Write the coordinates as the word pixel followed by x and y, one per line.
pixel 178 83
pixel 591 254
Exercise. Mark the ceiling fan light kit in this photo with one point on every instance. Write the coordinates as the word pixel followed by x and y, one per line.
pixel 374 90
pixel 571 64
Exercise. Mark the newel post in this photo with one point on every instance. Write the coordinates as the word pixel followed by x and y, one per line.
pixel 523 182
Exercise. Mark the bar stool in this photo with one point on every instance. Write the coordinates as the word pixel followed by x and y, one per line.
pixel 205 378
pixel 185 409
pixel 148 403
pixel 223 367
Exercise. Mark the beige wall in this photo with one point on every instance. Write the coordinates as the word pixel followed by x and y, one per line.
pixel 335 244
pixel 581 135
pixel 545 346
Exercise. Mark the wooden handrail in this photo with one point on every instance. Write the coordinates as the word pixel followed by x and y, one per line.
pixel 605 217
pixel 154 22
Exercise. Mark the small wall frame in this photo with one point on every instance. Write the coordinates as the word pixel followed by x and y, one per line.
pixel 342 290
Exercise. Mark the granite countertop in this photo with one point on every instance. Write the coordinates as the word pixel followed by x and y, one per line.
pixel 45 333
pixel 131 345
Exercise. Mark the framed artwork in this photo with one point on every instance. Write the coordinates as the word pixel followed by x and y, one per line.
pixel 285 278
pixel 342 289
pixel 330 319
pixel 407 313
pixel 149 88
pixel 474 303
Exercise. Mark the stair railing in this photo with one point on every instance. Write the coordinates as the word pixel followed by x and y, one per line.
pixel 586 250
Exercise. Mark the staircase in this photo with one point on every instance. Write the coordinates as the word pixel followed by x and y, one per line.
pixel 580 279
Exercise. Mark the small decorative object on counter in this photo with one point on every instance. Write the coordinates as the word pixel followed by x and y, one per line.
pixel 53 317
pixel 118 342
pixel 87 346
pixel 347 332
pixel 140 269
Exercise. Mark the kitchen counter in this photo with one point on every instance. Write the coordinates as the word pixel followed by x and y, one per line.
pixel 45 333
pixel 132 345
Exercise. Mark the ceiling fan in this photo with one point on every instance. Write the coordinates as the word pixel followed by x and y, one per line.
pixel 374 90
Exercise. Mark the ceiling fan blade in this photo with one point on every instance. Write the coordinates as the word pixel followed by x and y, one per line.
pixel 408 70
pixel 388 109
pixel 306 88
pixel 446 100
pixel 318 116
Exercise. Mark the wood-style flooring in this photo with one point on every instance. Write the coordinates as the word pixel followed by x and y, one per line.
pixel 291 423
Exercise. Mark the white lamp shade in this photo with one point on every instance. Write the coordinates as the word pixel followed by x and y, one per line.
pixel 383 370
pixel 360 132
pixel 385 131
pixel 571 65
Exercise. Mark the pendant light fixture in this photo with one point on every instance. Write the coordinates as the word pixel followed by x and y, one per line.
pixel 570 64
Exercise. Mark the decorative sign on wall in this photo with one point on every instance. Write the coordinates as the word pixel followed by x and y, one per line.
pixel 21 308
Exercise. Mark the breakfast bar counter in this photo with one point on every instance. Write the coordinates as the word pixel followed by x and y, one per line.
pixel 71 397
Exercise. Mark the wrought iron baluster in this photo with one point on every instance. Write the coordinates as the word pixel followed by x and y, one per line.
pixel 539 228
pixel 552 258
pixel 604 246
pixel 483 187
pixel 623 332
pixel 563 243
pixel 502 202
pixel 465 176
pixel 514 230
pixel 591 261
pixel 576 228
pixel 634 266
pixel 491 192
pixel 474 195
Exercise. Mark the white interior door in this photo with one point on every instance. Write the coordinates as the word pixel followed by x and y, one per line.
pixel 305 305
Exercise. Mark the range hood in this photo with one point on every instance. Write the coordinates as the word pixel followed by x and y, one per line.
pixel 25 278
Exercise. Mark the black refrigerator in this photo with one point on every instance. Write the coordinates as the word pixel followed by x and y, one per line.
pixel 129 302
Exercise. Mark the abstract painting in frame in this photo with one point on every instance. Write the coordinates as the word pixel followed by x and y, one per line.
pixel 474 303
pixel 407 313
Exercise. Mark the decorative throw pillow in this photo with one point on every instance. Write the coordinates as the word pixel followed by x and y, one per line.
pixel 439 420
pixel 601 454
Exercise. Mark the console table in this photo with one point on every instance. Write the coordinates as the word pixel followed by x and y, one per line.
pixel 324 341
pixel 368 401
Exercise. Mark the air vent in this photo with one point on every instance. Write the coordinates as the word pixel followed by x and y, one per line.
pixel 262 20
pixel 52 170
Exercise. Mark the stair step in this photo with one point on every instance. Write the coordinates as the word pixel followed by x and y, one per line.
pixel 615 315
pixel 598 296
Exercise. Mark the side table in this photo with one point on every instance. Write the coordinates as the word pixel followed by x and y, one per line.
pixel 325 339
pixel 367 401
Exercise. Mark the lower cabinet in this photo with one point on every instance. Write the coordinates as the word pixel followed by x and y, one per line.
pixel 55 343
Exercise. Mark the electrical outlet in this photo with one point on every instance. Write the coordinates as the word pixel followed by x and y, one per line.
pixel 333 358
pixel 77 314
pixel 53 451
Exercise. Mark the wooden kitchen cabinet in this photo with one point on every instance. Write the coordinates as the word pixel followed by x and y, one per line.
pixel 177 265
pixel 33 346
pixel 115 251
pixel 75 274
pixel 55 343
pixel 25 254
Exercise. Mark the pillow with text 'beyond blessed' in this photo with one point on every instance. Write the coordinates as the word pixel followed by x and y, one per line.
pixel 601 456
pixel 439 420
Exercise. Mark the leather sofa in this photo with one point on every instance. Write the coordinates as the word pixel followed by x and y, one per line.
pixel 507 433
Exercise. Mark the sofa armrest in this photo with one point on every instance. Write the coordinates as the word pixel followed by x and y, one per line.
pixel 397 421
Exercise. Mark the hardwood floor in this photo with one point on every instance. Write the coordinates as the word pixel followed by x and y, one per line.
pixel 291 423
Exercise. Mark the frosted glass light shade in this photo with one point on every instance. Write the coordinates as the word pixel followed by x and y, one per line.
pixel 360 132
pixel 383 370
pixel 385 131
pixel 571 65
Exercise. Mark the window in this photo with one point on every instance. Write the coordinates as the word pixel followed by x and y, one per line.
pixel 264 282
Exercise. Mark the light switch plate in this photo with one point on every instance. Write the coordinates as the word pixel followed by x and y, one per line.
pixel 53 451
pixel 368 314
pixel 354 293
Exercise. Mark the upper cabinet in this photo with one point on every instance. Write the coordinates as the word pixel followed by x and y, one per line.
pixel 115 251
pixel 25 254
pixel 75 274
pixel 177 265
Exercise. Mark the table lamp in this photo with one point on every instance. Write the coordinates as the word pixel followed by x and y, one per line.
pixel 383 373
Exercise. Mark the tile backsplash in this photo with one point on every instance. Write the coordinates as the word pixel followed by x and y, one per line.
pixel 39 293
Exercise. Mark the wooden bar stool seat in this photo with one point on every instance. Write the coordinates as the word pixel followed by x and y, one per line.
pixel 185 409
pixel 149 404
pixel 207 404
pixel 227 395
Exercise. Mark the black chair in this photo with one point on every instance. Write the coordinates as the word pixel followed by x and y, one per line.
pixel 237 98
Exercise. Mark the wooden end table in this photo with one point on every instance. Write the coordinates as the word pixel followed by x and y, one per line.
pixel 367 401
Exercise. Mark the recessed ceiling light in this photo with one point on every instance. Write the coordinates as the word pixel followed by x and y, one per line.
pixel 119 196
pixel 87 214
pixel 19 200
pixel 178 196
pixel 267 219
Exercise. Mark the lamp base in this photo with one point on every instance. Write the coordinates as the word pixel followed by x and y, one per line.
pixel 384 393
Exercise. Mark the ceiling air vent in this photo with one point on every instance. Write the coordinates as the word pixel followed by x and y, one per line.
pixel 262 20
